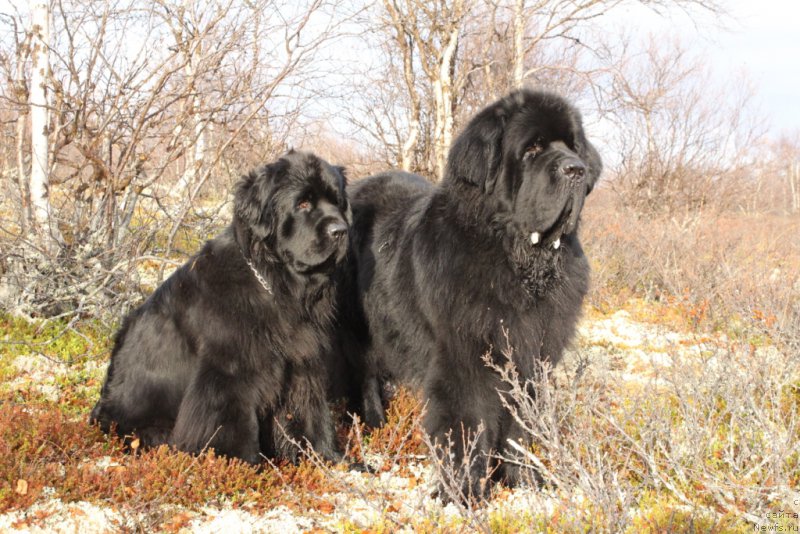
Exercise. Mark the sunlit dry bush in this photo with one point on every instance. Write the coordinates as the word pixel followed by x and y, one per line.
pixel 712 437
pixel 730 272
pixel 680 143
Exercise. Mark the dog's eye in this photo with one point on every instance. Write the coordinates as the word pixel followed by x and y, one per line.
pixel 303 205
pixel 533 150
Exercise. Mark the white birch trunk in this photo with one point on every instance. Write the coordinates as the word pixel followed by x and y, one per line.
pixel 22 177
pixel 443 100
pixel 409 147
pixel 519 50
pixel 198 154
pixel 198 135
pixel 405 44
pixel 39 182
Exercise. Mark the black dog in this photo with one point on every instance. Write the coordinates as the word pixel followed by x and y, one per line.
pixel 229 352
pixel 489 258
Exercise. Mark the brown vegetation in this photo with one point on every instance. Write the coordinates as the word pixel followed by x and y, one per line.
pixel 737 273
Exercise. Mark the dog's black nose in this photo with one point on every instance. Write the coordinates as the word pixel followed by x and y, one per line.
pixel 337 230
pixel 573 169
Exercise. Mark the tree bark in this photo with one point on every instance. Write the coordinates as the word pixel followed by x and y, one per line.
pixel 519 49
pixel 443 98
pixel 410 146
pixel 405 43
pixel 39 179
pixel 22 177
pixel 196 141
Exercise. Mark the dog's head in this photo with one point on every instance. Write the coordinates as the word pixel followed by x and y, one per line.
pixel 530 156
pixel 294 211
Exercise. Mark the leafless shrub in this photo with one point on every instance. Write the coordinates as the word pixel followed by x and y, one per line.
pixel 557 422
pixel 716 432
pixel 682 143
pixel 774 182
pixel 376 492
pixel 152 109
pixel 380 494
pixel 456 482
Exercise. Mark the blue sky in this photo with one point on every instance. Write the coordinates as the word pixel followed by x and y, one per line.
pixel 766 42
pixel 761 39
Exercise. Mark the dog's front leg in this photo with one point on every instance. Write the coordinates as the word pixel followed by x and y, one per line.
pixel 216 414
pixel 304 415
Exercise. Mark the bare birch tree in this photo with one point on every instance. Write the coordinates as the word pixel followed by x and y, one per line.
pixel 450 57
pixel 184 25
pixel 43 226
pixel 535 23
pixel 438 38
pixel 13 61
pixel 422 55
pixel 405 42
pixel 519 47
pixel 774 184
pixel 147 100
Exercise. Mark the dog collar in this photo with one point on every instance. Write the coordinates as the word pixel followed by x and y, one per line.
pixel 258 276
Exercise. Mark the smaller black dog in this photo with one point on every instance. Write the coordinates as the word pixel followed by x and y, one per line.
pixel 229 352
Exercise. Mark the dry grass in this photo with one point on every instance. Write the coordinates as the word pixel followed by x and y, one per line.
pixel 720 272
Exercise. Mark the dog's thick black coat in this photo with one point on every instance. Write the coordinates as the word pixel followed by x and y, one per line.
pixel 442 275
pixel 218 358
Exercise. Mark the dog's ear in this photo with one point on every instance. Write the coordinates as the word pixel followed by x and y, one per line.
pixel 252 204
pixel 343 172
pixel 344 202
pixel 476 156
pixel 590 156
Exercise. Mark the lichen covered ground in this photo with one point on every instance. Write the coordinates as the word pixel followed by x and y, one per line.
pixel 659 473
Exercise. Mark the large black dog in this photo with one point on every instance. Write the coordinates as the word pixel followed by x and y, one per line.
pixel 444 275
pixel 229 352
